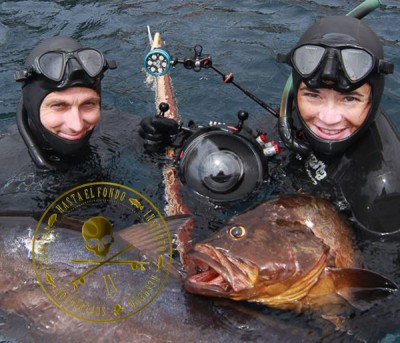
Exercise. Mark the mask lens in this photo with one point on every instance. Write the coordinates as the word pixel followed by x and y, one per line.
pixel 221 166
pixel 307 58
pixel 91 60
pixel 51 65
pixel 357 63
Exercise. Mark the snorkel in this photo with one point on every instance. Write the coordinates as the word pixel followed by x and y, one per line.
pixel 286 131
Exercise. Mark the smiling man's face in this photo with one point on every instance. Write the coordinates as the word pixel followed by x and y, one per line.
pixel 71 113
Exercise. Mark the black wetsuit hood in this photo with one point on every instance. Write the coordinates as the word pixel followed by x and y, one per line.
pixel 37 87
pixel 339 32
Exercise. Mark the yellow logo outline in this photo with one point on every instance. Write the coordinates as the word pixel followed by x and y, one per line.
pixel 48 282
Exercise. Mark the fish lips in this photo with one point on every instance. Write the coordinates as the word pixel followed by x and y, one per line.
pixel 213 272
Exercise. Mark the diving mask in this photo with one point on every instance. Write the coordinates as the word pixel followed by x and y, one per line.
pixel 53 64
pixel 343 68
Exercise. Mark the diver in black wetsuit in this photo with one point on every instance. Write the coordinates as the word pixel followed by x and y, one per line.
pixel 333 119
pixel 345 148
pixel 60 106
pixel 60 103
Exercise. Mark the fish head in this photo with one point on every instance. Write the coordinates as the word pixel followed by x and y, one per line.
pixel 254 255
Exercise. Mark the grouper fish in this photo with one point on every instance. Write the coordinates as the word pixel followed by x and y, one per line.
pixel 27 314
pixel 292 252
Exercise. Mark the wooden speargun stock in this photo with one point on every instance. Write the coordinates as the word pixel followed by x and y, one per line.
pixel 164 93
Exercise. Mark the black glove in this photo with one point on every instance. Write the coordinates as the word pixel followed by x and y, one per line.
pixel 158 132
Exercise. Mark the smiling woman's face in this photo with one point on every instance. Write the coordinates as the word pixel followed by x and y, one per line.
pixel 71 113
pixel 333 115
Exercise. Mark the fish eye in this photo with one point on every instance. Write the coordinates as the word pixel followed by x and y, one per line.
pixel 237 231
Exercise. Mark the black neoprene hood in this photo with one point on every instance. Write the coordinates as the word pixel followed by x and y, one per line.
pixel 37 87
pixel 339 32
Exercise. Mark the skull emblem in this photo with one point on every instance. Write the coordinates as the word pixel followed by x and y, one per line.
pixel 97 233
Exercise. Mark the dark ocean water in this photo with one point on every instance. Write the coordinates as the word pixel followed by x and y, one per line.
pixel 242 36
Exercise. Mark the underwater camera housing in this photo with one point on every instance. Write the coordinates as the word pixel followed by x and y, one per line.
pixel 220 162
pixel 224 163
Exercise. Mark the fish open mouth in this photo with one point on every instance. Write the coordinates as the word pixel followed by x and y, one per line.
pixel 214 272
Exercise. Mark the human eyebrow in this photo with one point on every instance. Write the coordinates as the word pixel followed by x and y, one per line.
pixel 92 100
pixel 356 95
pixel 57 102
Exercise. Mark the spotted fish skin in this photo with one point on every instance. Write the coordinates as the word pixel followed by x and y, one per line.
pixel 290 252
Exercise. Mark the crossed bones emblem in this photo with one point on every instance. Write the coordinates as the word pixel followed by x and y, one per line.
pixel 98 236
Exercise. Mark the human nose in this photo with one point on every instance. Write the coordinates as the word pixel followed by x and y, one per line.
pixel 330 114
pixel 74 120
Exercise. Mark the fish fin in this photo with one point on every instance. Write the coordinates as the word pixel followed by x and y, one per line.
pixel 146 237
pixel 360 287
pixel 340 322
pixel 142 235
pixel 177 222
